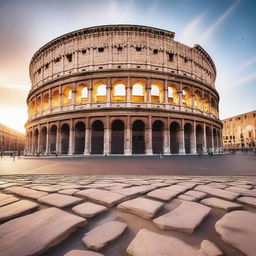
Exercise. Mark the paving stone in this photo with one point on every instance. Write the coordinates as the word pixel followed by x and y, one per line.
pixel 70 191
pixel 143 207
pixel 221 204
pixel 7 199
pixel 59 200
pixel 50 189
pixel 177 188
pixel 33 234
pixel 82 253
pixel 242 191
pixel 88 209
pixel 19 208
pixel 133 191
pixel 6 185
pixel 197 194
pixel 187 198
pixel 238 229
pixel 217 192
pixel 186 217
pixel 247 200
pixel 100 236
pixel 26 192
pixel 148 243
pixel 162 194
pixel 104 197
pixel 210 248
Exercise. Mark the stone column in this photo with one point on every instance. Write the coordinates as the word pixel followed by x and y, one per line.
pixel 128 92
pixel 180 98
pixel 74 96
pixel 39 139
pixel 128 137
pixel 193 139
pixel 107 137
pixel 204 139
pixel 108 93
pixel 41 103
pixel 47 140
pixel 50 100
pixel 71 145
pixel 58 139
pixel 148 91
pixel 89 95
pixel 181 139
pixel 167 150
pixel 148 137
pixel 213 148
pixel 87 142
pixel 165 92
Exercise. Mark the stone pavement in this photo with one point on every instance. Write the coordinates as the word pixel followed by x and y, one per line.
pixel 79 215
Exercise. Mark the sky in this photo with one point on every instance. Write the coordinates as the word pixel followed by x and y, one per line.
pixel 226 29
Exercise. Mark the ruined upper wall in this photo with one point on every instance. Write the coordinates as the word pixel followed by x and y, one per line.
pixel 122 47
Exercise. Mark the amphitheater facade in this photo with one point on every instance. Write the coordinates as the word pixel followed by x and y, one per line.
pixel 122 89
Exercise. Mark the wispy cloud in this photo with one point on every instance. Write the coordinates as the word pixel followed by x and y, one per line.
pixel 246 64
pixel 210 30
pixel 244 80
pixel 190 33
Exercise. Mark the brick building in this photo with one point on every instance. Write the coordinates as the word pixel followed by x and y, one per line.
pixel 11 140
pixel 240 131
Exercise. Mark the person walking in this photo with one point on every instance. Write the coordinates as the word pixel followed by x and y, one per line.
pixel 13 156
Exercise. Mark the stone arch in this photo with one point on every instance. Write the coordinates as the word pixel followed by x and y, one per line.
pixel 174 137
pixel 97 139
pixel 43 139
pixel 187 137
pixel 32 108
pixel 213 106
pixel 46 102
pixel 118 92
pixel 187 97
pixel 79 137
pixel 208 138
pixel 53 139
pixel 38 104
pixel 55 99
pixel 157 92
pixel 117 137
pixel 138 92
pixel 206 103
pixel 99 93
pixel 157 137
pixel 36 134
pixel 67 96
pixel 172 94
pixel 199 138
pixel 82 94
pixel 198 100
pixel 64 138
pixel 138 137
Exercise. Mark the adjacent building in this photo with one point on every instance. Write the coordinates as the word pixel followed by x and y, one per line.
pixel 122 89
pixel 240 131
pixel 11 140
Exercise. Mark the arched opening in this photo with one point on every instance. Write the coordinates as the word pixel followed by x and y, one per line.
pixel 67 96
pixel 53 139
pixel 30 141
pixel 36 132
pixel 97 141
pixel 138 137
pixel 186 97
pixel 172 94
pixel 32 109
pixel 118 92
pixel 64 138
pixel 55 99
pixel 198 101
pixel 46 102
pixel 199 139
pixel 155 93
pixel 174 138
pixel 38 105
pixel 100 92
pixel 79 138
pixel 138 92
pixel 213 107
pixel 117 137
pixel 208 138
pixel 206 103
pixel 187 134
pixel 157 137
pixel 215 138
pixel 43 139
pixel 82 94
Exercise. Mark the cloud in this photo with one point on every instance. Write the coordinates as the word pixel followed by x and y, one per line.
pixel 210 30
pixel 191 31
pixel 246 64
pixel 244 80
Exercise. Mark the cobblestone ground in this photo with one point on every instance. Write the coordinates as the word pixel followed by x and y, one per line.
pixel 127 215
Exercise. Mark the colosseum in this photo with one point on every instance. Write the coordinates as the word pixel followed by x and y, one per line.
pixel 122 89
